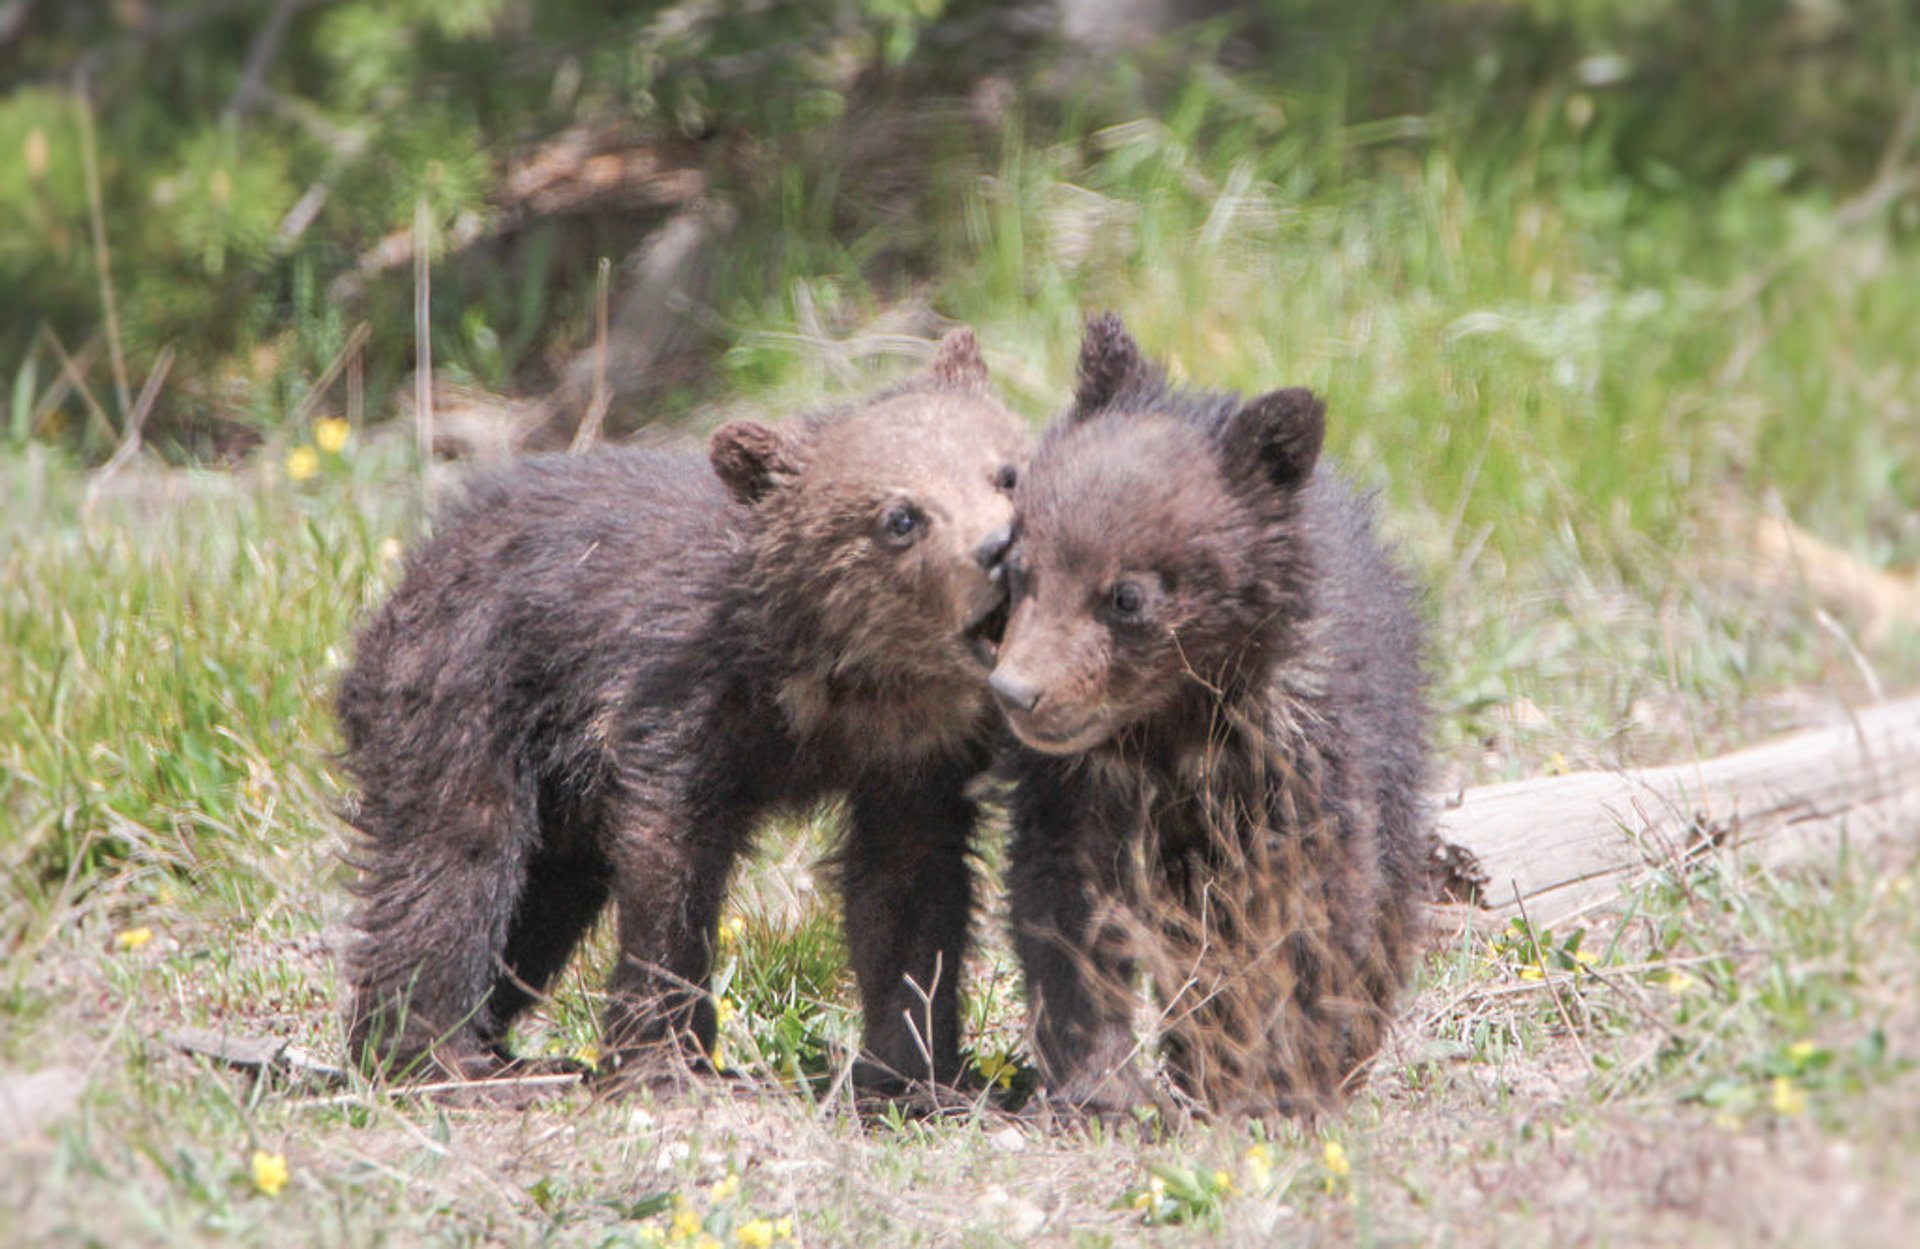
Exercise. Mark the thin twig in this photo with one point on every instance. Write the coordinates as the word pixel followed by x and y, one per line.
pixel 266 45
pixel 1559 1004
pixel 601 399
pixel 63 382
pixel 423 345
pixel 350 350
pixel 356 390
pixel 70 370
pixel 103 261
pixel 137 419
pixel 446 1086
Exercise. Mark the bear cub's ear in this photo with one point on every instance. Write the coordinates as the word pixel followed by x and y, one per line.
pixel 1278 434
pixel 752 459
pixel 1110 363
pixel 958 364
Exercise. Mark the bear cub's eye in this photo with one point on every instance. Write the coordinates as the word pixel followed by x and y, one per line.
pixel 902 524
pixel 1007 478
pixel 1128 599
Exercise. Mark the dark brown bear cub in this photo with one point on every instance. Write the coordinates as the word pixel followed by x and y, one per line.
pixel 1217 673
pixel 601 673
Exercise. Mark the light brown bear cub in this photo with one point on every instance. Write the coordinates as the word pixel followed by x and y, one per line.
pixel 602 673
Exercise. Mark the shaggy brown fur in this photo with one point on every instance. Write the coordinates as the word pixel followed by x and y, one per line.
pixel 602 673
pixel 1217 673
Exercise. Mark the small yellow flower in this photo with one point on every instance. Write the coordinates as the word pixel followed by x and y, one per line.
pixel 998 1069
pixel 1152 1195
pixel 783 1227
pixel 1679 983
pixel 588 1055
pixel 1800 1051
pixel 132 938
pixel 1338 1164
pixel 1785 1097
pixel 1260 1165
pixel 1222 1182
pixel 686 1223
pixel 1531 972
pixel 724 1190
pixel 331 433
pixel 732 930
pixel 269 1172
pixel 755 1234
pixel 1585 958
pixel 652 1234
pixel 706 1242
pixel 302 463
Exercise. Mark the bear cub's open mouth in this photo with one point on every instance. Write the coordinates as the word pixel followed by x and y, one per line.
pixel 989 624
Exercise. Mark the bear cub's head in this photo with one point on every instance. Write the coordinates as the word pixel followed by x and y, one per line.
pixel 1159 563
pixel 881 530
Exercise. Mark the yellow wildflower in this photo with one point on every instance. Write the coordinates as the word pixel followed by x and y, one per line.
pixel 998 1069
pixel 1336 1158
pixel 269 1172
pixel 331 433
pixel 1260 1165
pixel 732 930
pixel 132 938
pixel 1585 958
pixel 723 1012
pixel 302 463
pixel 783 1227
pixel 706 1242
pixel 755 1234
pixel 1786 1097
pixel 1679 983
pixel 1530 972
pixel 724 1189
pixel 686 1223
pixel 588 1055
pixel 1800 1051
pixel 1152 1195
pixel 652 1234
pixel 1222 1182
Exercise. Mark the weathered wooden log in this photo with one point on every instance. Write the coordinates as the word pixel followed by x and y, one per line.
pixel 1563 845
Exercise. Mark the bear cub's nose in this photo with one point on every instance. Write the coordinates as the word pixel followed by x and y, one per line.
pixel 1013 692
pixel 993 547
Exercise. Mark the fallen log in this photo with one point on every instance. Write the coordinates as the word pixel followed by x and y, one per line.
pixel 1559 846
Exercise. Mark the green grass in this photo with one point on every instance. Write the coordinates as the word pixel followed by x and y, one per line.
pixel 1578 392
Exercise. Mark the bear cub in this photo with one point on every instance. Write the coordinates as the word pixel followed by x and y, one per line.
pixel 1216 675
pixel 601 673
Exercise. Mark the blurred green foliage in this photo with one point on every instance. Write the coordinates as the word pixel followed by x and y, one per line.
pixel 252 152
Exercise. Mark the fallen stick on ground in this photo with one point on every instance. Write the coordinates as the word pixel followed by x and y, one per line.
pixel 1562 845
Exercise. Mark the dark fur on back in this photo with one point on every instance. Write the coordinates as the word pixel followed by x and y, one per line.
pixel 1219 675
pixel 601 674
